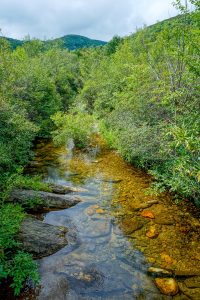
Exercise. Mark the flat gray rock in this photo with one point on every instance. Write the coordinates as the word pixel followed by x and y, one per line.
pixel 41 239
pixel 43 200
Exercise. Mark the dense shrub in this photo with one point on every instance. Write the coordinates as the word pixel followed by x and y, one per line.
pixel 78 126
pixel 146 91
pixel 14 263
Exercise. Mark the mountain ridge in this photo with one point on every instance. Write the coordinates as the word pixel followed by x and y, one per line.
pixel 69 41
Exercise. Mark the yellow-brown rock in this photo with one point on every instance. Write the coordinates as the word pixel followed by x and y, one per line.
pixel 147 214
pixel 100 211
pixel 167 286
pixel 166 258
pixel 152 232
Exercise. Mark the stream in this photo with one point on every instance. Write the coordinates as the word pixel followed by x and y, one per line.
pixel 108 254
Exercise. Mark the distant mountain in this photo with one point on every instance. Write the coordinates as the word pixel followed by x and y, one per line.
pixel 71 42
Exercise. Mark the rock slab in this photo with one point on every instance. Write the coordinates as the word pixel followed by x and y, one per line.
pixel 44 200
pixel 41 239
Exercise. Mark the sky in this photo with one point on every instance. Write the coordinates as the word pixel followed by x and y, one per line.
pixel 99 19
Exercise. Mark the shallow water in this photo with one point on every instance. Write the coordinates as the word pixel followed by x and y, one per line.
pixel 102 259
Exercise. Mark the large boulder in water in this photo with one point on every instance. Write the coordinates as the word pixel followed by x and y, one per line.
pixel 38 200
pixel 41 239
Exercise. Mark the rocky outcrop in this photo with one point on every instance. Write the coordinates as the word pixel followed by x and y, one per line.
pixel 41 239
pixel 37 200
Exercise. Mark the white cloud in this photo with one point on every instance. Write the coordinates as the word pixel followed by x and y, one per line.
pixel 99 19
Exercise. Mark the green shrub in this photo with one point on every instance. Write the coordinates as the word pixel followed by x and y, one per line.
pixel 23 267
pixel 14 263
pixel 18 180
pixel 77 126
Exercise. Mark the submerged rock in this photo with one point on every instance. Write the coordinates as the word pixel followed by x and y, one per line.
pixel 145 205
pixel 63 189
pixel 160 272
pixel 164 219
pixel 186 273
pixel 54 286
pixel 98 229
pixel 166 258
pixel 100 211
pixel 152 233
pixel 41 239
pixel 94 209
pixel 192 293
pixel 38 200
pixel 147 214
pixel 167 286
pixel 130 225
pixel 193 282
pixel 111 180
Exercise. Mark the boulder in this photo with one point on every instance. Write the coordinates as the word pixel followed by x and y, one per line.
pixel 41 239
pixel 167 286
pixel 38 200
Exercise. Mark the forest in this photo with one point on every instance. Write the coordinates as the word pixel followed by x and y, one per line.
pixel 141 93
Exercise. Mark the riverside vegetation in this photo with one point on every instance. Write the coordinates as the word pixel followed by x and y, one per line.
pixel 141 92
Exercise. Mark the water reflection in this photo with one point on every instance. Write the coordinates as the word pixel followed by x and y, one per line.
pixel 99 261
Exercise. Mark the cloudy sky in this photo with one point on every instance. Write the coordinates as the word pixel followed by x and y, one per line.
pixel 100 19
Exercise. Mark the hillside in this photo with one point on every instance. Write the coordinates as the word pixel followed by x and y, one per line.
pixel 14 43
pixel 71 42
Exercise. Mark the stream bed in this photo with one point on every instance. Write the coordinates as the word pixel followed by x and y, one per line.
pixel 109 251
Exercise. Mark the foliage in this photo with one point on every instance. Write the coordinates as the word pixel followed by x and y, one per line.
pixel 23 267
pixel 13 262
pixel 143 90
pixel 146 93
pixel 35 83
pixel 10 217
pixel 78 126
